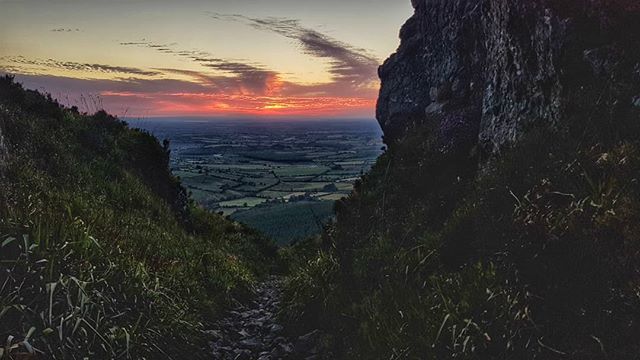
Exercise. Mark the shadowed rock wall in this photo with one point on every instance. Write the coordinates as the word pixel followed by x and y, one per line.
pixel 483 71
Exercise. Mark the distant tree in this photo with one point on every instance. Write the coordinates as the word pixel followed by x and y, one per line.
pixel 330 188
pixel 166 144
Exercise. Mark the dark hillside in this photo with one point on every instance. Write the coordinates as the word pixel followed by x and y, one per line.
pixel 102 255
pixel 502 222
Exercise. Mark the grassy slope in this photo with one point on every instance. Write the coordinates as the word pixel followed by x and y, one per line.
pixel 534 257
pixel 102 255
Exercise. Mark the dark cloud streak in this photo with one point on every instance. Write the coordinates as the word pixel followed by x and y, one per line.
pixel 353 69
pixel 68 30
pixel 246 77
pixel 348 64
pixel 75 66
pixel 224 82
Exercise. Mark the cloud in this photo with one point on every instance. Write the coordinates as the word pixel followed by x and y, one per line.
pixel 217 86
pixel 349 65
pixel 172 97
pixel 249 82
pixel 246 77
pixel 353 70
pixel 65 30
pixel 76 66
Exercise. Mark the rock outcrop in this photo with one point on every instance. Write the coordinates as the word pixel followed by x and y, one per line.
pixel 483 71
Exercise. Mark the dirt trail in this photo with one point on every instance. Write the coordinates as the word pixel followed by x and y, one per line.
pixel 252 331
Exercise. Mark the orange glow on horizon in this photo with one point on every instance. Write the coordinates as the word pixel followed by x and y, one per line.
pixel 192 104
pixel 275 106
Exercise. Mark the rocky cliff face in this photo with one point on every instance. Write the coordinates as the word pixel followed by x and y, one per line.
pixel 484 71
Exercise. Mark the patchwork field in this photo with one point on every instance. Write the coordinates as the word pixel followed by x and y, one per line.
pixel 281 178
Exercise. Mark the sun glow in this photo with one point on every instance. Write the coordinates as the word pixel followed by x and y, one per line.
pixel 201 104
pixel 156 67
pixel 275 106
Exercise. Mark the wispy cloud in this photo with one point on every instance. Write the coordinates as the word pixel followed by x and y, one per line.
pixel 216 85
pixel 68 30
pixel 245 77
pixel 348 64
pixel 76 66
pixel 353 70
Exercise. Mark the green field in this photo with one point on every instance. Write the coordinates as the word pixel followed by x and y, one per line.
pixel 300 196
pixel 288 222
pixel 344 186
pixel 301 170
pixel 243 202
pixel 244 168
pixel 300 186
pixel 333 197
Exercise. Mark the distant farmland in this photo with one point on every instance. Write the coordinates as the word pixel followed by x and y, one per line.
pixel 282 179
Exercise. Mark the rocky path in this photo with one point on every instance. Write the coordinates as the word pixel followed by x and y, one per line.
pixel 252 331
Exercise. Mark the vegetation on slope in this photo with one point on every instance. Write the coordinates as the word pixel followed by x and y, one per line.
pixel 289 222
pixel 102 255
pixel 532 255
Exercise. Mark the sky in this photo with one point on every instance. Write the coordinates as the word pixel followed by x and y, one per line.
pixel 215 58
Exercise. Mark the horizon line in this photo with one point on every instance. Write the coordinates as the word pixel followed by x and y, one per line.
pixel 246 118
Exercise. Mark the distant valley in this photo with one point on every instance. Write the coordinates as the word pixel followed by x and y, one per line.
pixel 281 177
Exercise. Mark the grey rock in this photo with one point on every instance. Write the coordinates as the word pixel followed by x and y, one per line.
pixel 243 355
pixel 215 334
pixel 286 348
pixel 275 328
pixel 250 344
pixel 252 332
pixel 481 72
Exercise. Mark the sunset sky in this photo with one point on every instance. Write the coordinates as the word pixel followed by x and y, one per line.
pixel 145 58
